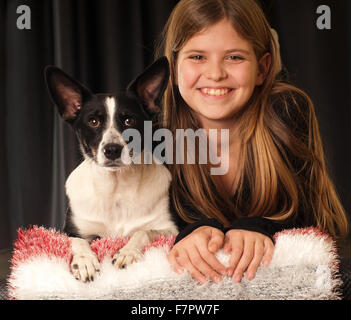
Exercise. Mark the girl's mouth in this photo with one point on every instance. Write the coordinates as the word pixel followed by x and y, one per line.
pixel 215 92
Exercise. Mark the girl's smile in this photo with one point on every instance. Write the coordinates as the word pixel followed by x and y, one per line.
pixel 215 92
pixel 217 73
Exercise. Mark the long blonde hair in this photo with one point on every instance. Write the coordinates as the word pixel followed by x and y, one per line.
pixel 283 160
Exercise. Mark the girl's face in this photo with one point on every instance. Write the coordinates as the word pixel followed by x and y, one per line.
pixel 217 72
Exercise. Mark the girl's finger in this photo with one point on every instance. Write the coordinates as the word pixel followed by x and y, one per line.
pixel 268 252
pixel 236 253
pixel 216 240
pixel 205 266
pixel 227 246
pixel 185 261
pixel 255 262
pixel 210 259
pixel 172 258
pixel 245 260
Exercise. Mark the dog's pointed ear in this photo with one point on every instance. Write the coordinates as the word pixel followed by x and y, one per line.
pixel 151 84
pixel 66 93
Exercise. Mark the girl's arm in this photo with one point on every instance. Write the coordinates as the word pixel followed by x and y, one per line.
pixel 264 226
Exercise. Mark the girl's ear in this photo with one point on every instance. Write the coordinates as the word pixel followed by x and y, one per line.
pixel 263 67
pixel 150 85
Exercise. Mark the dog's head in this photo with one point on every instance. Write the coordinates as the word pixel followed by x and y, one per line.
pixel 100 119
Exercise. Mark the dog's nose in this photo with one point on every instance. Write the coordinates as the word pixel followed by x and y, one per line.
pixel 112 151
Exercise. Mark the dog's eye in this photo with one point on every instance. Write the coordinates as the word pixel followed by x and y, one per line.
pixel 129 122
pixel 94 122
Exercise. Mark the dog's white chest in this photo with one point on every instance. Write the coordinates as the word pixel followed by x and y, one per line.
pixel 115 203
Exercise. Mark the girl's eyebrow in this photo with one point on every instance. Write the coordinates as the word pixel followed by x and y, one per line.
pixel 237 50
pixel 226 51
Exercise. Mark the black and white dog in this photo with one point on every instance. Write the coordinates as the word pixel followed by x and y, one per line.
pixel 106 197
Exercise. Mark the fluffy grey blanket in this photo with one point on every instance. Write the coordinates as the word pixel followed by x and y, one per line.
pixel 304 266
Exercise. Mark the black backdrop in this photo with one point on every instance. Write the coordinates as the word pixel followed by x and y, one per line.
pixel 105 43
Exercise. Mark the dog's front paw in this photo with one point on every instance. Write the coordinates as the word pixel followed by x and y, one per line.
pixel 84 267
pixel 126 256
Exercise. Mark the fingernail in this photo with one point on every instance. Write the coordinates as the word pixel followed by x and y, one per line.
pixel 230 272
pixel 217 279
pixel 249 276
pixel 203 280
pixel 237 278
pixel 179 270
pixel 265 263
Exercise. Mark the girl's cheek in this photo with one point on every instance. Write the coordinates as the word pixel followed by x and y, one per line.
pixel 187 75
pixel 246 77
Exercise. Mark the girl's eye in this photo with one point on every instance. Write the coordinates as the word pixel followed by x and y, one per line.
pixel 235 58
pixel 129 122
pixel 197 57
pixel 94 122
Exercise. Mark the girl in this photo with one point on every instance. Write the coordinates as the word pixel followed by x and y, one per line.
pixel 225 65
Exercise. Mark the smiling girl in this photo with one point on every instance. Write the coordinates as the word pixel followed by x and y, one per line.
pixel 225 65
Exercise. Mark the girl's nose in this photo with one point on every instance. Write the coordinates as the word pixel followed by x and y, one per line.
pixel 215 71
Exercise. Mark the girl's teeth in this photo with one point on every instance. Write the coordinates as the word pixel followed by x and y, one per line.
pixel 215 92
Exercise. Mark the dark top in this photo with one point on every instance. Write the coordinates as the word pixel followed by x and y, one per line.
pixel 262 225
pixel 303 218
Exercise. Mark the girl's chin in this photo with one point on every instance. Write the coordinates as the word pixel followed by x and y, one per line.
pixel 210 120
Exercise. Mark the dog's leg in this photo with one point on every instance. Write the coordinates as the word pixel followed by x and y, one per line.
pixel 84 264
pixel 132 251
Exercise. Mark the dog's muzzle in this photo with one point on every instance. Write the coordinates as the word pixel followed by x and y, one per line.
pixel 112 151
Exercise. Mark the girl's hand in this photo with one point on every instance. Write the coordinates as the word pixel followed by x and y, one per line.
pixel 248 249
pixel 195 253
